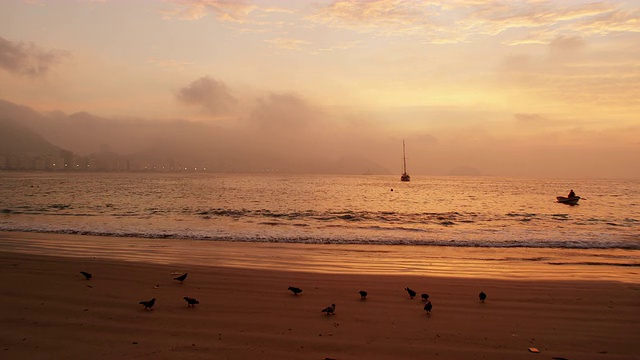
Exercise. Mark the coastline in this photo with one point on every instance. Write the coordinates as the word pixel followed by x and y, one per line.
pixel 443 261
pixel 51 311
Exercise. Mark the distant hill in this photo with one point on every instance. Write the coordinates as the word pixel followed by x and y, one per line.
pixel 125 144
pixel 17 140
pixel 357 166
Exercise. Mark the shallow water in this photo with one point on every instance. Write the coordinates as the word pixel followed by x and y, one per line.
pixel 494 263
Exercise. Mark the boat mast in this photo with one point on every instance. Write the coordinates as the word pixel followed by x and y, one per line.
pixel 404 160
pixel 405 176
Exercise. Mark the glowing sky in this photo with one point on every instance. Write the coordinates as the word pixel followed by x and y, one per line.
pixel 508 87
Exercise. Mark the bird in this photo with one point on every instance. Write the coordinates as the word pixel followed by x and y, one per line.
pixel 191 302
pixel 425 297
pixel 181 278
pixel 363 294
pixel 428 306
pixel 148 305
pixel 86 275
pixel 482 296
pixel 412 293
pixel 295 290
pixel 330 310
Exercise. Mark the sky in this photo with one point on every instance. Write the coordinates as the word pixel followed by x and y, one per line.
pixel 531 88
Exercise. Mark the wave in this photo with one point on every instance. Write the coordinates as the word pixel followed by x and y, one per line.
pixel 406 219
pixel 468 243
pixel 324 216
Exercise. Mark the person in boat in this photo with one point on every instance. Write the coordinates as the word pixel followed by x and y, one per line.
pixel 571 194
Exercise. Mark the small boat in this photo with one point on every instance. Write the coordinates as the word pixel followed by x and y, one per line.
pixel 568 200
pixel 404 176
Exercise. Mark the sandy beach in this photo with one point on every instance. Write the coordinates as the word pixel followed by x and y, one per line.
pixel 49 311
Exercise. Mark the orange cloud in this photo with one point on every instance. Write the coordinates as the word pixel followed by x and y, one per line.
pixel 386 16
pixel 614 21
pixel 546 20
pixel 458 21
pixel 377 12
pixel 225 10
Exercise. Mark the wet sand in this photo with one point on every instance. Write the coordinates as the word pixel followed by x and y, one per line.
pixel 50 311
pixel 441 261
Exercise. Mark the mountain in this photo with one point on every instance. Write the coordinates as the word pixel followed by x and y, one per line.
pixel 18 140
pixel 103 144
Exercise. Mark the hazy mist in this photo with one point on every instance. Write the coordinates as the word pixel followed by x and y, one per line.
pixel 284 133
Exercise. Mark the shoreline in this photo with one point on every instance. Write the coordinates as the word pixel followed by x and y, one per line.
pixel 493 263
pixel 51 311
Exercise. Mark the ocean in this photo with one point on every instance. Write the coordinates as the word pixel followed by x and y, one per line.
pixel 445 212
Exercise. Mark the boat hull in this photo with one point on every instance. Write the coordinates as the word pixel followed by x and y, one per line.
pixel 568 200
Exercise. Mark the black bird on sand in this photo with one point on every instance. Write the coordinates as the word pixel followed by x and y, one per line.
pixel 482 296
pixel 148 305
pixel 86 275
pixel 191 302
pixel 412 293
pixel 330 310
pixel 181 278
pixel 425 297
pixel 363 294
pixel 428 306
pixel 295 290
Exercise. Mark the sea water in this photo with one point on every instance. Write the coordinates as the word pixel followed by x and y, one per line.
pixel 445 211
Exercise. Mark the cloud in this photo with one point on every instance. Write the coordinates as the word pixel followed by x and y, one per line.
pixel 392 17
pixel 527 117
pixel 213 95
pixel 225 10
pixel 614 21
pixel 577 74
pixel 549 37
pixel 27 59
pixel 287 44
pixel 545 20
pixel 376 12
pixel 493 17
pixel 428 21
pixel 288 112
pixel 518 63
pixel 444 22
pixel 291 134
pixel 563 47
pixel 54 2
pixel 339 46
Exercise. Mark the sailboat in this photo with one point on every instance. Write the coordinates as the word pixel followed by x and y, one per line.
pixel 405 176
